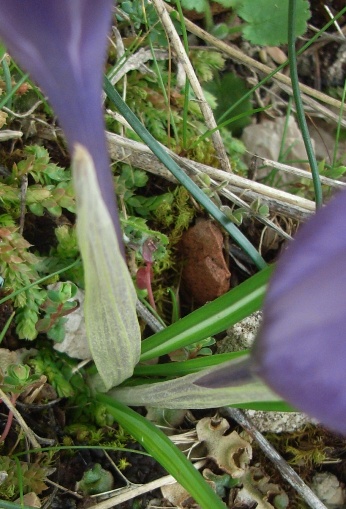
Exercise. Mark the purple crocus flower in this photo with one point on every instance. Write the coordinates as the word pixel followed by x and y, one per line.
pixel 301 348
pixel 300 351
pixel 62 44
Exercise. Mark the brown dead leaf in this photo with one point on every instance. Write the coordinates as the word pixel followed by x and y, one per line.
pixel 3 117
pixel 231 452
pixel 258 489
pixel 276 54
pixel 178 496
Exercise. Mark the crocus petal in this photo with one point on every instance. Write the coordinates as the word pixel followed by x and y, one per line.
pixel 62 44
pixel 301 348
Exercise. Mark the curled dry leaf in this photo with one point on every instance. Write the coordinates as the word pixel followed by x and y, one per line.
pixel 231 452
pixel 30 499
pixel 258 488
pixel 178 496
pixel 276 54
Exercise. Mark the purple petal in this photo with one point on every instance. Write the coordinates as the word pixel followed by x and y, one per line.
pixel 301 348
pixel 62 44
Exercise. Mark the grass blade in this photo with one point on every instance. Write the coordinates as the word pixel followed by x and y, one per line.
pixel 299 103
pixel 210 319
pixel 186 367
pixel 164 451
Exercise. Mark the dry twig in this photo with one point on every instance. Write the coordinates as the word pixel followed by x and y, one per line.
pixel 28 432
pixel 184 60
pixel 140 156
pixel 283 467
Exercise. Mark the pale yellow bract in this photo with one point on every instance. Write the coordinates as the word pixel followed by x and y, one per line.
pixel 110 298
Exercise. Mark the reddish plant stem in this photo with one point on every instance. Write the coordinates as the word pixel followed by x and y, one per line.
pixel 149 288
pixel 14 398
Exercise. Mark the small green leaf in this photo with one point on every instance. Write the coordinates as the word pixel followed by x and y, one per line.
pixel 110 298
pixel 57 331
pixel 37 209
pixel 55 211
pixel 19 373
pixel 96 480
pixel 194 5
pixel 43 324
pixel 263 210
pixel 268 20
pixel 228 90
pixel 37 194
pixel 228 3
pixel 220 31
pixel 336 172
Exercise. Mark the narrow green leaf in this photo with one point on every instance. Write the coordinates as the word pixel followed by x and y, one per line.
pixel 6 326
pixel 164 451
pixel 184 392
pixel 5 504
pixel 210 319
pixel 186 367
pixel 266 406
pixel 293 19
pixel 110 298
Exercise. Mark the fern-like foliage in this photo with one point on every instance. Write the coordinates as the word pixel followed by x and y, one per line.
pixel 51 189
pixel 18 268
pixel 29 475
pixel 166 122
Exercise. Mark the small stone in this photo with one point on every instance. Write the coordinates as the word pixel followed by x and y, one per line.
pixel 328 488
pixel 75 343
pixel 241 335
pixel 205 272
pixel 277 422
